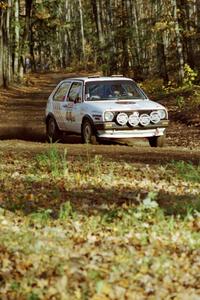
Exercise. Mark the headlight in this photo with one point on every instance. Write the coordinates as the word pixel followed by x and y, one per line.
pixel 155 117
pixel 162 113
pixel 108 116
pixel 122 118
pixel 145 119
pixel 134 119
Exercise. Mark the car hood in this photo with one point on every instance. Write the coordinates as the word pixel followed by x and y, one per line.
pixel 102 106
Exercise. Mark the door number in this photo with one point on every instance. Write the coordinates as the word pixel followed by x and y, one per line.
pixel 70 116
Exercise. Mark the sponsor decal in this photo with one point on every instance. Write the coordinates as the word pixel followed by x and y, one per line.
pixel 70 104
pixel 70 117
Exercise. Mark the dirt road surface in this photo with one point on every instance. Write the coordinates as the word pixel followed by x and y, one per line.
pixel 22 128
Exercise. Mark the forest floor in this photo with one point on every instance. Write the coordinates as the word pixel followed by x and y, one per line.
pixel 22 119
pixel 22 114
pixel 96 222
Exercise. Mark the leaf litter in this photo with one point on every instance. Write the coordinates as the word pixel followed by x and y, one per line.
pixel 90 228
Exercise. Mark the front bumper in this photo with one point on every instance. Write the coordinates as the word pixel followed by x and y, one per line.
pixel 113 131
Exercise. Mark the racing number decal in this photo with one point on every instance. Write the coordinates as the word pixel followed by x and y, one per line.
pixel 70 116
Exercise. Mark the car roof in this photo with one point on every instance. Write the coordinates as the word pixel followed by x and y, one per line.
pixel 98 78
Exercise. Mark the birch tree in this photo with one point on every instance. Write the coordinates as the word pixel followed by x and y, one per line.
pixel 179 45
pixel 16 38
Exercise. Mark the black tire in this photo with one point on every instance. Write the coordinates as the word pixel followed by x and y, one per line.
pixel 87 133
pixel 52 131
pixel 157 141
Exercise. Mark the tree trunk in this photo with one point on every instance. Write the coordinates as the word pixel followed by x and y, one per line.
pixel 6 71
pixel 2 12
pixel 161 59
pixel 189 38
pixel 26 34
pixel 17 36
pixel 31 49
pixel 137 38
pixel 124 40
pixel 99 25
pixel 178 42
pixel 82 28
pixel 112 61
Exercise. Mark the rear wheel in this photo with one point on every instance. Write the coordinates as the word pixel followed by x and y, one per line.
pixel 52 130
pixel 157 141
pixel 87 134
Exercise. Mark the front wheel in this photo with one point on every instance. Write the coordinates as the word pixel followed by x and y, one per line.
pixel 52 130
pixel 87 134
pixel 157 141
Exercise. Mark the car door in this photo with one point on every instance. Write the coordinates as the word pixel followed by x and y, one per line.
pixel 74 104
pixel 59 104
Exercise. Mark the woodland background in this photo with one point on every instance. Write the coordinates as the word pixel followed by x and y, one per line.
pixel 138 38
pixel 99 222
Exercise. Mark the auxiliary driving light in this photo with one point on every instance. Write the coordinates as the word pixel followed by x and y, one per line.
pixel 134 119
pixel 122 118
pixel 155 117
pixel 145 119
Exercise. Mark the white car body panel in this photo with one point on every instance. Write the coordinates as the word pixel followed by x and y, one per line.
pixel 109 134
pixel 126 105
pixel 69 115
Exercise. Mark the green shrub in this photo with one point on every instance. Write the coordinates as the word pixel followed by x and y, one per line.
pixel 189 75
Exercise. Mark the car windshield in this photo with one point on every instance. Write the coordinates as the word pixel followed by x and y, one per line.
pixel 113 90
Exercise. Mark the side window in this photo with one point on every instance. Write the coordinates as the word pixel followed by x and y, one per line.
pixel 61 92
pixel 75 93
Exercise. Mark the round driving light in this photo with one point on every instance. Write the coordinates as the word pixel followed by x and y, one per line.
pixel 162 113
pixel 134 119
pixel 122 118
pixel 108 116
pixel 145 119
pixel 155 118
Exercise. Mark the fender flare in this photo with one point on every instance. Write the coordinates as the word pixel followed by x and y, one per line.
pixel 51 115
pixel 88 117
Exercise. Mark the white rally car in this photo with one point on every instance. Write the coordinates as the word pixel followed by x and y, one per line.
pixel 100 108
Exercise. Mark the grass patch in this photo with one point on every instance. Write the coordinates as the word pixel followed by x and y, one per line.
pixel 187 171
pixel 90 228
pixel 53 161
